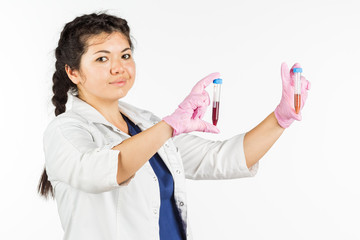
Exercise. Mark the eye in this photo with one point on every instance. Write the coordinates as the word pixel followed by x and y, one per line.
pixel 126 56
pixel 102 59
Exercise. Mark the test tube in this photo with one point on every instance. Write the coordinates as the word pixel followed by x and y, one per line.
pixel 216 100
pixel 297 91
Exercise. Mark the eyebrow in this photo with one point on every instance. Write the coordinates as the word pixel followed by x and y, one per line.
pixel 106 51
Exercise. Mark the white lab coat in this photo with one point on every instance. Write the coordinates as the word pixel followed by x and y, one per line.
pixel 82 169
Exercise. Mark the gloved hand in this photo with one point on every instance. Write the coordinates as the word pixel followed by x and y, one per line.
pixel 285 112
pixel 188 116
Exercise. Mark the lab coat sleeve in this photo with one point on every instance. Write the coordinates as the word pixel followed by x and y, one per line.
pixel 207 159
pixel 72 157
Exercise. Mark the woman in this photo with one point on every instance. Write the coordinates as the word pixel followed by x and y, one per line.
pixel 118 172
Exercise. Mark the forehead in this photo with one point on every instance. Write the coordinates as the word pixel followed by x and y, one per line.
pixel 106 39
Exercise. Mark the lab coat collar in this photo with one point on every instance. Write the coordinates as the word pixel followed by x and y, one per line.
pixel 137 116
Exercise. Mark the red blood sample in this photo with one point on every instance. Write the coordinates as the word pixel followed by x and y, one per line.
pixel 297 102
pixel 215 113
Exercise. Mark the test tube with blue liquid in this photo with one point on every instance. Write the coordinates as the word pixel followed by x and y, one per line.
pixel 216 100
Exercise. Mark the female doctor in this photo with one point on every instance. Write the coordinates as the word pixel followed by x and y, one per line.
pixel 117 171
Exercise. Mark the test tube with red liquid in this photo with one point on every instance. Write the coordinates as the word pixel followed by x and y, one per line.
pixel 216 100
pixel 297 90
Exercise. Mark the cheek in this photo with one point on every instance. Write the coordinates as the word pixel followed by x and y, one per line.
pixel 100 70
pixel 99 74
pixel 131 69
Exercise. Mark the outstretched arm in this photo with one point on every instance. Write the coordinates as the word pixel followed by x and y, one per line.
pixel 260 139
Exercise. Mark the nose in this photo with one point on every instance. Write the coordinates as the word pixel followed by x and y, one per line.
pixel 117 67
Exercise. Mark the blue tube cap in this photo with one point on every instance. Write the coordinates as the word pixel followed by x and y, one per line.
pixel 217 81
pixel 299 70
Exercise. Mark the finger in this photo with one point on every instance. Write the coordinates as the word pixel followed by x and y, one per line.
pixel 294 115
pixel 296 65
pixel 207 98
pixel 285 74
pixel 194 101
pixel 305 84
pixel 208 127
pixel 203 83
pixel 298 117
pixel 200 111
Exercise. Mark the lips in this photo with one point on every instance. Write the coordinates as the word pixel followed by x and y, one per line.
pixel 118 81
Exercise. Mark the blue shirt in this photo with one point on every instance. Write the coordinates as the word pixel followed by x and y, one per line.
pixel 169 222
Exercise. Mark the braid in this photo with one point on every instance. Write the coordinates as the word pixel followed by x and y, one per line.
pixel 61 86
pixel 45 188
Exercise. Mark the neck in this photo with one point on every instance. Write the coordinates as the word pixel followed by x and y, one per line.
pixel 108 108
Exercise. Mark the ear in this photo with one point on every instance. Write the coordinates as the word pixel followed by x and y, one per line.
pixel 72 74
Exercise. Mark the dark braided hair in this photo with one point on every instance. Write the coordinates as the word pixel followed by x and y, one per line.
pixel 71 46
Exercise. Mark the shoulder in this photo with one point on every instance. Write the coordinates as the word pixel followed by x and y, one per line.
pixel 138 112
pixel 66 120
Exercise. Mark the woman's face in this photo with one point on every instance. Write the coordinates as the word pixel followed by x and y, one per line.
pixel 107 69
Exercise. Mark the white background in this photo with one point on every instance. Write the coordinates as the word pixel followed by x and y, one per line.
pixel 308 183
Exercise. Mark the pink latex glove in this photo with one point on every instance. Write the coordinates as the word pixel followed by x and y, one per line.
pixel 188 116
pixel 285 112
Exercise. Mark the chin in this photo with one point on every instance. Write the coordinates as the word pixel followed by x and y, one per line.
pixel 122 95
